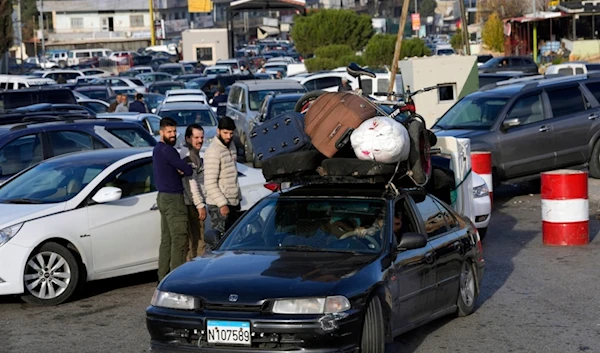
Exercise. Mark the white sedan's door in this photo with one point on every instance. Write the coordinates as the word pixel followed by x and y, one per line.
pixel 126 232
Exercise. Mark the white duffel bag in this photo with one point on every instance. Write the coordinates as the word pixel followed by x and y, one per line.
pixel 381 139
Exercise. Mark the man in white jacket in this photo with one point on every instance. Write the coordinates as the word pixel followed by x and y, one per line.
pixel 194 191
pixel 221 178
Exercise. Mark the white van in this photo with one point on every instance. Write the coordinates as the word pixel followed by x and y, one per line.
pixel 17 82
pixel 75 56
pixel 567 69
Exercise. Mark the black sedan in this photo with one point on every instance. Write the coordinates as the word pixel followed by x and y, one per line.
pixel 321 268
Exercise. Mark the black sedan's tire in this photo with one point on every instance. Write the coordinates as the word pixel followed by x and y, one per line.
pixel 595 161
pixel 51 275
pixel 373 335
pixel 467 291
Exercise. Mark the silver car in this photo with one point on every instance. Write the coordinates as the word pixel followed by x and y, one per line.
pixel 244 101
pixel 190 113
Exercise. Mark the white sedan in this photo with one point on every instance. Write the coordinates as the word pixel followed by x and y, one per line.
pixel 85 216
pixel 482 204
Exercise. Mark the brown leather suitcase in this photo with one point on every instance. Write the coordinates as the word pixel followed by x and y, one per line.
pixel 332 117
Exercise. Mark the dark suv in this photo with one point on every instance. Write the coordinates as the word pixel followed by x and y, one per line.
pixel 531 127
pixel 509 63
pixel 23 97
pixel 25 144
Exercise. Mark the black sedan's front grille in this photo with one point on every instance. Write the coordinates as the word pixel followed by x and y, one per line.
pixel 233 307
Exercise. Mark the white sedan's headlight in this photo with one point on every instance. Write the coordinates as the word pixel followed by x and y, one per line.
pixel 335 304
pixel 173 300
pixel 481 191
pixel 8 233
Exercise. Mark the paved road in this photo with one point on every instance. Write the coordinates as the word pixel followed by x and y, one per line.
pixel 534 299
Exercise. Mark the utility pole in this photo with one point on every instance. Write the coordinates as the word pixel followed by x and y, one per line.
pixel 152 27
pixel 34 42
pixel 464 28
pixel 398 48
pixel 42 27
pixel 20 32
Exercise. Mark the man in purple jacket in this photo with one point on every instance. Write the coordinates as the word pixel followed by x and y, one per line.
pixel 168 171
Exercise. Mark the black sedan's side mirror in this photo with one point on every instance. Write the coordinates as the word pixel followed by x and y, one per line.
pixel 410 241
pixel 211 237
pixel 510 123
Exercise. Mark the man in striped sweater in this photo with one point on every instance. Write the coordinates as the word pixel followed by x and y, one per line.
pixel 221 178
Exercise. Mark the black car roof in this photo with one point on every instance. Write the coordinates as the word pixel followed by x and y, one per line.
pixel 60 125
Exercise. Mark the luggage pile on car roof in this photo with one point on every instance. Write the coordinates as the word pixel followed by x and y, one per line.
pixel 343 135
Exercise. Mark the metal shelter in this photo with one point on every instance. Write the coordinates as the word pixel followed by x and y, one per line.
pixel 240 6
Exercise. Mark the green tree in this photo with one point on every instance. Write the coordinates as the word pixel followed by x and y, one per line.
pixel 28 11
pixel 493 33
pixel 325 27
pixel 380 50
pixel 332 56
pixel 6 30
pixel 457 40
pixel 414 47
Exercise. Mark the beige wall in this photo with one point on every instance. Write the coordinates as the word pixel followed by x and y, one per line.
pixel 583 49
pixel 454 72
pixel 216 39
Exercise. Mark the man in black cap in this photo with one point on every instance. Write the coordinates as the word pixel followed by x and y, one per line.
pixel 138 105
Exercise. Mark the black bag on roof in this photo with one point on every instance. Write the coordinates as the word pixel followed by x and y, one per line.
pixel 282 135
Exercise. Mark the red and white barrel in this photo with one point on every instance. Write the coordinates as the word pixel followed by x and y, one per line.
pixel 565 208
pixel 481 163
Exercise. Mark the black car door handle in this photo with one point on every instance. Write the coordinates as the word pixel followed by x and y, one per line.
pixel 429 257
pixel 154 207
pixel 543 129
pixel 593 117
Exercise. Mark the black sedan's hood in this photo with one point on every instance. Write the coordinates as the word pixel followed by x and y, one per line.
pixel 255 276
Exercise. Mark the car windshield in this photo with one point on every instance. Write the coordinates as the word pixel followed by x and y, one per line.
pixel 472 112
pixel 97 94
pixel 278 108
pixel 172 70
pixel 256 97
pixel 203 117
pixel 162 89
pixel 216 71
pixel 308 224
pixel 492 63
pixel 50 182
pixel 152 101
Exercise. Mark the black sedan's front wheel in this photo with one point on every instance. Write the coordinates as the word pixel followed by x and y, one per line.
pixel 373 335
pixel 467 292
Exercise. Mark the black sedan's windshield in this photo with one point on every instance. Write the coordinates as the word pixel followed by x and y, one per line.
pixel 50 182
pixel 287 224
pixel 472 112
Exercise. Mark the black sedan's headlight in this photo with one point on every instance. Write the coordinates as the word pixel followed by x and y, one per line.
pixel 174 301
pixel 324 305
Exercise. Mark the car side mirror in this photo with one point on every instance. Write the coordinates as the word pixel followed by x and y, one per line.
pixel 107 194
pixel 410 241
pixel 211 237
pixel 510 123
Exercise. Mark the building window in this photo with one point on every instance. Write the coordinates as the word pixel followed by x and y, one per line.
pixel 136 21
pixel 446 93
pixel 77 22
pixel 204 54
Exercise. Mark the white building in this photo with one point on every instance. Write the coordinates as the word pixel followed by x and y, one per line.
pixel 76 20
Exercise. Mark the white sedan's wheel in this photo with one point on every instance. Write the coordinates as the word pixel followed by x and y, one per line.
pixel 51 275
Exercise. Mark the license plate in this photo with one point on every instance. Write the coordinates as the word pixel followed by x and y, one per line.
pixel 228 332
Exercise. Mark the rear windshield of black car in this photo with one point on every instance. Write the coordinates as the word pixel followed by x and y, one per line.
pixel 16 99
pixel 133 137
